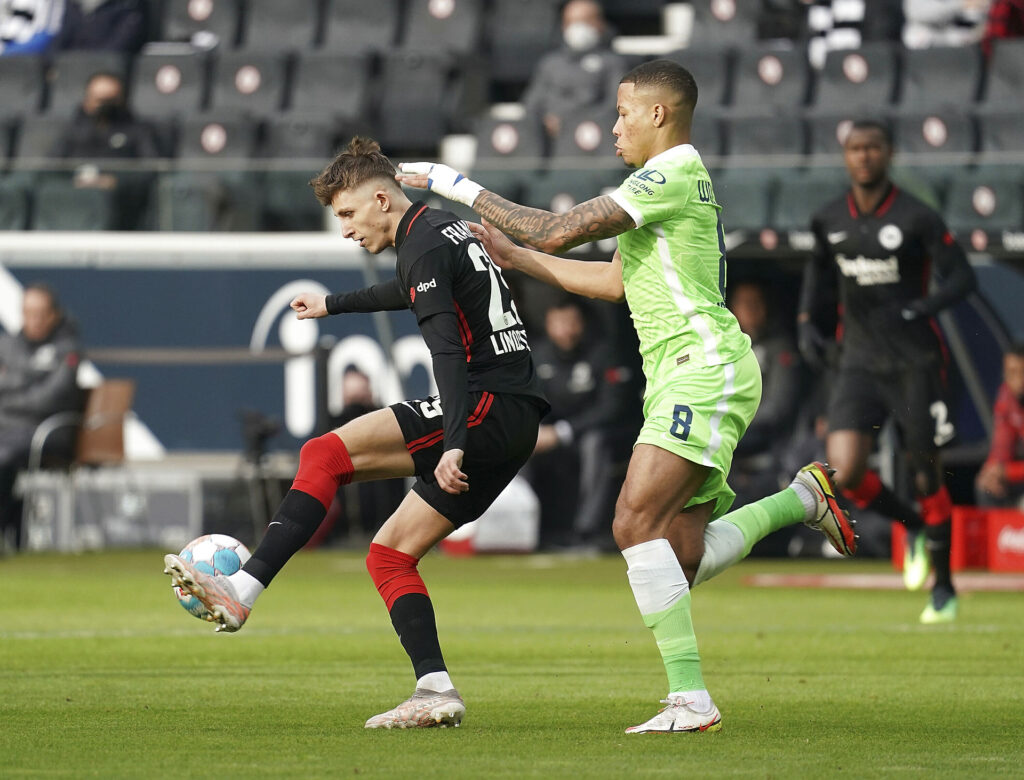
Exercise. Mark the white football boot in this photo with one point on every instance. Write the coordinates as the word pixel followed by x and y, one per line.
pixel 829 518
pixel 422 710
pixel 679 717
pixel 215 591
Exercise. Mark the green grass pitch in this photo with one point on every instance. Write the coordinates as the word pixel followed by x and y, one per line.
pixel 102 674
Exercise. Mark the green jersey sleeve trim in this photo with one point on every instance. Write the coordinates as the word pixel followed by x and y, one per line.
pixel 628 207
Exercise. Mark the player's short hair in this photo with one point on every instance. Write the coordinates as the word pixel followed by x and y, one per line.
pixel 873 123
pixel 665 73
pixel 361 161
pixel 1016 349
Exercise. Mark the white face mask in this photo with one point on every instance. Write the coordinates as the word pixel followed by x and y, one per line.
pixel 580 36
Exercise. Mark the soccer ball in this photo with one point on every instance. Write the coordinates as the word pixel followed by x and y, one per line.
pixel 210 554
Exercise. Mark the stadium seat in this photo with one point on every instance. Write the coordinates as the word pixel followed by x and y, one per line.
pixel 508 153
pixel 586 133
pixel 1005 81
pixel 769 77
pixel 271 25
pixel 289 202
pixel 202 22
pixel 356 26
pixel 1000 132
pixel 415 101
pixel 14 204
pixel 35 137
pixel 799 196
pixel 733 23
pixel 858 80
pixel 216 138
pixel 519 33
pixel 70 71
pixel 168 85
pixel 203 202
pixel 295 136
pixel 21 86
pixel 445 25
pixel 745 198
pixel 763 135
pixel 331 84
pixel 943 131
pixel 940 77
pixel 248 82
pixel 826 134
pixel 711 69
pixel 986 200
pixel 59 205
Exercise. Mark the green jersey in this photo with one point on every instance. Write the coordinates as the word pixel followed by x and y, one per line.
pixel 673 265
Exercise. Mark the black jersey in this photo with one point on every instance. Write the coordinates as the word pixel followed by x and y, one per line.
pixel 884 262
pixel 464 309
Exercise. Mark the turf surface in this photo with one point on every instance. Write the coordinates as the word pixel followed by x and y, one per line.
pixel 102 674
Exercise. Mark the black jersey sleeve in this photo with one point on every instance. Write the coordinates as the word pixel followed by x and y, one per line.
pixel 431 283
pixel 386 296
pixel 814 271
pixel 953 273
pixel 448 357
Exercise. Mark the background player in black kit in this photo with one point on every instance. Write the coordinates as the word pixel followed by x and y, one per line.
pixel 885 247
pixel 464 446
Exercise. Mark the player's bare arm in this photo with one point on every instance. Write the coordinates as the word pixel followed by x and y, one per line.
pixel 591 279
pixel 592 220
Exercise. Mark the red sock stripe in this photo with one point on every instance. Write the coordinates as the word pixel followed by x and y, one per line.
pixel 866 492
pixel 937 508
pixel 394 573
pixel 482 408
pixel 324 463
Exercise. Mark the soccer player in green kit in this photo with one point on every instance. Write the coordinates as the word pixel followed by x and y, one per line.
pixel 672 522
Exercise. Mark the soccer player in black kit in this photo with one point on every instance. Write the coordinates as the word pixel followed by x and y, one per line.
pixel 885 246
pixel 463 446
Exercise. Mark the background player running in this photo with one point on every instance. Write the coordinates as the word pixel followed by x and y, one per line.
pixel 463 447
pixel 703 382
pixel 884 246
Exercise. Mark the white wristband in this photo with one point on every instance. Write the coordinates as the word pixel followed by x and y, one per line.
pixel 446 182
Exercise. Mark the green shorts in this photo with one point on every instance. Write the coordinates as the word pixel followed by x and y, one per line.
pixel 700 415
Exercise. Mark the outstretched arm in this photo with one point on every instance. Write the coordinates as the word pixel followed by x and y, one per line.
pixel 387 296
pixel 592 220
pixel 592 279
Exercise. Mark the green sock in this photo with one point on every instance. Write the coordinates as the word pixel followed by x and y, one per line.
pixel 673 630
pixel 760 518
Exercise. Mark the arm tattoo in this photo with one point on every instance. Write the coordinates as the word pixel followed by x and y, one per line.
pixel 592 220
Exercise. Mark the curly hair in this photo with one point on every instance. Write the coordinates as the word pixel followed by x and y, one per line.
pixel 360 161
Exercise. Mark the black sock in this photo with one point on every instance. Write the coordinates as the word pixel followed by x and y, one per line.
pixel 293 525
pixel 888 504
pixel 412 615
pixel 938 540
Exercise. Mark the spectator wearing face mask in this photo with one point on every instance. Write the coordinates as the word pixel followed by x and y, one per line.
pixel 583 72
pixel 105 129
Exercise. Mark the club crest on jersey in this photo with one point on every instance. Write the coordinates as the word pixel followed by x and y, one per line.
pixel 890 237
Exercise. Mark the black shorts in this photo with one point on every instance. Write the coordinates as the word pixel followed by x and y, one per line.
pixel 500 437
pixel 915 399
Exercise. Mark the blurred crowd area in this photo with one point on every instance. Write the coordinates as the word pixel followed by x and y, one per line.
pixel 213 114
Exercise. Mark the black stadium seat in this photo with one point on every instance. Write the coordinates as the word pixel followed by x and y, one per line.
pixel 587 133
pixel 168 85
pixel 445 25
pixel 248 82
pixel 14 204
pixel 271 25
pixel 858 80
pixel 1005 81
pixel 334 84
pixel 59 205
pixel 760 135
pixel 711 69
pixel 508 154
pixel 826 134
pixel 300 137
pixel 769 77
pixel 206 23
pixel 35 136
pixel 799 197
pixel 520 32
pixel 1000 132
pixel 356 26
pixel 985 200
pixel 930 132
pixel 415 100
pixel 940 77
pixel 732 22
pixel 216 138
pixel 745 199
pixel 70 71
pixel 21 86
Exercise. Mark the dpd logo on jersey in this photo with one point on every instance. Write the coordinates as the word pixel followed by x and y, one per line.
pixel 421 287
pixel 890 237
